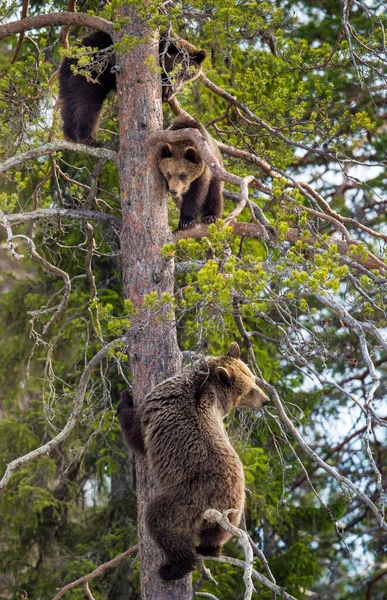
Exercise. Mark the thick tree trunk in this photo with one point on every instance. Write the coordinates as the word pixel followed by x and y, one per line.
pixel 153 350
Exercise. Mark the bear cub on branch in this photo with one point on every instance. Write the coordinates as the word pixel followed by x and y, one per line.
pixel 180 428
pixel 189 178
pixel 81 100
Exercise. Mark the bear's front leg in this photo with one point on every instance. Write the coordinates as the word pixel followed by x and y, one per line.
pixel 192 203
pixel 213 205
pixel 130 423
pixel 188 215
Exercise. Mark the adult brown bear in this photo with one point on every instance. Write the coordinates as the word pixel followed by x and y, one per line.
pixel 81 99
pixel 180 428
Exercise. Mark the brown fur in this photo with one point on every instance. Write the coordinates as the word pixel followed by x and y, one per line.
pixel 81 100
pixel 189 178
pixel 180 425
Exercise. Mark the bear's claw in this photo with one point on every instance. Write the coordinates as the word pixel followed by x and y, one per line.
pixel 209 218
pixel 186 223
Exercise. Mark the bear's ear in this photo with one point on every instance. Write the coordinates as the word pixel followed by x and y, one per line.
pixel 234 351
pixel 166 151
pixel 172 49
pixel 223 376
pixel 191 154
pixel 201 56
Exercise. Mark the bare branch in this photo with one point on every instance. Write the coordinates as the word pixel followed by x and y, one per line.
pixel 53 19
pixel 341 479
pixel 88 593
pixel 305 188
pixel 250 573
pixel 63 213
pixel 57 146
pixel 89 258
pixel 5 223
pixel 274 131
pixel 20 41
pixel 86 578
pixel 64 32
pixel 72 421
pixel 221 519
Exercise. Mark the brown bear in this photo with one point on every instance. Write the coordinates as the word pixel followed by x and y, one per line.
pixel 81 100
pixel 180 428
pixel 189 178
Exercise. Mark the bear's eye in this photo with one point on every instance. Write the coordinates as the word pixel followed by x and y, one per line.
pixel 183 177
pixel 168 176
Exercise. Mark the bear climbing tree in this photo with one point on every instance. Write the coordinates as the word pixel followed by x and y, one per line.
pixel 182 419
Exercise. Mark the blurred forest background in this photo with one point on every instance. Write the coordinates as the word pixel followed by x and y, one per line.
pixel 307 303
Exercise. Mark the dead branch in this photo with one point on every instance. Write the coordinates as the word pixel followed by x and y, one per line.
pixel 222 520
pixel 53 19
pixel 88 593
pixel 343 481
pixel 274 131
pixel 62 213
pixel 75 415
pixel 305 188
pixel 5 223
pixel 249 572
pixel 58 146
pixel 56 271
pixel 86 578
pixel 205 575
pixel 89 258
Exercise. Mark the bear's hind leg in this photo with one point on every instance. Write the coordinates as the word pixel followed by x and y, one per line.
pixel 212 540
pixel 87 116
pixel 168 521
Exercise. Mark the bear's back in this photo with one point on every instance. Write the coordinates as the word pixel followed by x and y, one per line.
pixel 185 439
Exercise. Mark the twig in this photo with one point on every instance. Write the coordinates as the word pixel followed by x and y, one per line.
pixel 86 578
pixel 75 415
pixel 250 573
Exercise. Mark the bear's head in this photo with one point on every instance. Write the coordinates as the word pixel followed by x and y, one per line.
pixel 234 376
pixel 180 62
pixel 180 163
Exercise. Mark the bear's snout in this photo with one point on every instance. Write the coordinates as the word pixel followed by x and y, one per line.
pixel 174 193
pixel 254 398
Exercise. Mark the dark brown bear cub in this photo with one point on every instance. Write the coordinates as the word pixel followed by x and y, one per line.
pixel 180 428
pixel 189 178
pixel 81 100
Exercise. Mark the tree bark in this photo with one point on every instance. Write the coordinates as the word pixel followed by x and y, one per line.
pixel 153 350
